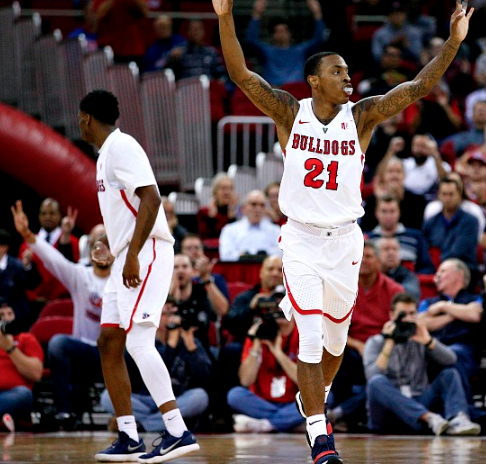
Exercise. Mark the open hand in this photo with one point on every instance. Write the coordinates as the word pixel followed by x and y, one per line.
pixel 460 22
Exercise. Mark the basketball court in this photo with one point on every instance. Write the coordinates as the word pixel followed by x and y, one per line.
pixel 80 447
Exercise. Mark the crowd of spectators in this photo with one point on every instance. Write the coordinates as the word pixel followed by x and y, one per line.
pixel 235 355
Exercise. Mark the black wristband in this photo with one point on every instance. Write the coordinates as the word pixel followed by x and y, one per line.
pixel 427 345
pixel 385 336
pixel 11 349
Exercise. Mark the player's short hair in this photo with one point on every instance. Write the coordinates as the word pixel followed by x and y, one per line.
pixel 102 105
pixel 311 67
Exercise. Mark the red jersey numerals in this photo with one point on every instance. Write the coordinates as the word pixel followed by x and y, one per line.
pixel 315 167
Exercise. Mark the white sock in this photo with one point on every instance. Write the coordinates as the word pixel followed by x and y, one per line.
pixel 127 424
pixel 316 425
pixel 174 423
pixel 327 389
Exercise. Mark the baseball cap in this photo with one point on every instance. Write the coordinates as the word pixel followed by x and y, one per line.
pixel 477 155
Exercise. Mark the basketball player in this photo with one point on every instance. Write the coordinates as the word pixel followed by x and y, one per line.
pixel 140 241
pixel 324 140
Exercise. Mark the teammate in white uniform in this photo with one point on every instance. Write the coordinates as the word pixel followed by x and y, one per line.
pixel 323 141
pixel 139 239
pixel 76 353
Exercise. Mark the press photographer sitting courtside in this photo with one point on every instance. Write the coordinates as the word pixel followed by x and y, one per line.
pixel 398 386
pixel 268 372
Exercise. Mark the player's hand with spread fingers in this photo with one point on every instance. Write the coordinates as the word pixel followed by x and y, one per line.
pixel 20 219
pixel 460 22
pixel 223 7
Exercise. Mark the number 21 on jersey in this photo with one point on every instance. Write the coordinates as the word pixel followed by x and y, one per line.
pixel 315 167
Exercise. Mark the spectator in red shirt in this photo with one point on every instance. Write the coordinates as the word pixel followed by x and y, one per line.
pixel 119 24
pixel 221 209
pixel 372 310
pixel 21 364
pixel 268 375
pixel 58 233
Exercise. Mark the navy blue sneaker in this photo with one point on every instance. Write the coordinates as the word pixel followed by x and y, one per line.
pixel 300 407
pixel 170 447
pixel 324 452
pixel 122 450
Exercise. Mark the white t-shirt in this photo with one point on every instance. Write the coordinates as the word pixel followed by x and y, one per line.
pixel 122 167
pixel 86 290
pixel 323 166
pixel 421 179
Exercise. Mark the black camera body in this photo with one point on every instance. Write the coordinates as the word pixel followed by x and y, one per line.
pixel 403 329
pixel 269 312
pixel 10 328
pixel 188 314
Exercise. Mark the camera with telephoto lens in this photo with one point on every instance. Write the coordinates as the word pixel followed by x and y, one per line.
pixel 403 329
pixel 10 328
pixel 269 312
pixel 187 313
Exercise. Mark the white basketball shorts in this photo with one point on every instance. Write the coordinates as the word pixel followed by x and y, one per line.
pixel 124 306
pixel 320 271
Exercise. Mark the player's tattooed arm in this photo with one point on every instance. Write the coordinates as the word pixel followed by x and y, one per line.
pixel 277 104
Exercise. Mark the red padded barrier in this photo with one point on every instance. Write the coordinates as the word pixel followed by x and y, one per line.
pixel 44 160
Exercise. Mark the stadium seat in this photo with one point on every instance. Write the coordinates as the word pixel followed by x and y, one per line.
pixel 46 327
pixel 427 285
pixel 235 288
pixel 299 90
pixel 217 98
pixel 61 307
pixel 242 106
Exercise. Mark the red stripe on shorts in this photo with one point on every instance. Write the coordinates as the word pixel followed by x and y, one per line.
pixel 294 303
pixel 143 288
pixel 129 206
pixel 313 311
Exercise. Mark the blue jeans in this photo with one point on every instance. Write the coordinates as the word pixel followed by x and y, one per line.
pixel 467 365
pixel 385 400
pixel 17 402
pixel 192 403
pixel 283 416
pixel 75 365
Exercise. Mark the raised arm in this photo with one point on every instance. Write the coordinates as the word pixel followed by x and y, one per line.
pixel 277 104
pixel 371 111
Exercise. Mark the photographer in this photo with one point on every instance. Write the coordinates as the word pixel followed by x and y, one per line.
pixel 191 298
pixel 268 375
pixel 189 367
pixel 396 364
pixel 21 363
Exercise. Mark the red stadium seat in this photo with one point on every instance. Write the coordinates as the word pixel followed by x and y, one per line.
pixel 235 288
pixel 61 307
pixel 242 106
pixel 427 285
pixel 435 256
pixel 217 98
pixel 299 90
pixel 44 329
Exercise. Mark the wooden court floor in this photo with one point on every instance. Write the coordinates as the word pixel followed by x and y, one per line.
pixel 79 448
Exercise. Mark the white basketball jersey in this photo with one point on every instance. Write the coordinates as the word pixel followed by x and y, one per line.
pixel 122 167
pixel 323 166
